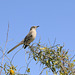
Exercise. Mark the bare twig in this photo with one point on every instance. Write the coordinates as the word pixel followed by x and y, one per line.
pixel 4 48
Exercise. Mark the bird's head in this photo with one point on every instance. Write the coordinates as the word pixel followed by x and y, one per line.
pixel 34 27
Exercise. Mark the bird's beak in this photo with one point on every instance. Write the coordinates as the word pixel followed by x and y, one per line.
pixel 37 26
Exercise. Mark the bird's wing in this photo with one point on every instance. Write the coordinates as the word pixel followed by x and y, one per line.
pixel 28 38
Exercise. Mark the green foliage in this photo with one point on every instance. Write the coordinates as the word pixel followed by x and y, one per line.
pixel 55 58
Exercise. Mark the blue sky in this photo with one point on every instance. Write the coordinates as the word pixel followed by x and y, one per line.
pixel 56 19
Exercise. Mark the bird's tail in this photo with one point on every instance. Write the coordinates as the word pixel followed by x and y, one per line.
pixel 15 47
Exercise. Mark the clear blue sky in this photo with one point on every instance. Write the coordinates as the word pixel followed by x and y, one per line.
pixel 56 19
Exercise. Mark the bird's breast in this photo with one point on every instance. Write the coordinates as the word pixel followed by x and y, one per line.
pixel 33 34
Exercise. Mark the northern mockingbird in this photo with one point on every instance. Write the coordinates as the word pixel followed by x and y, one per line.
pixel 28 39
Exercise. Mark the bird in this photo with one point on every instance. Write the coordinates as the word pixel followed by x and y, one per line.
pixel 28 39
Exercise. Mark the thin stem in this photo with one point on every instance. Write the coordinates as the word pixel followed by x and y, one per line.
pixel 4 48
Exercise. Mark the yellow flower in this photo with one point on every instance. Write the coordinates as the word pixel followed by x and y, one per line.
pixel 11 72
pixel 66 72
pixel 74 60
pixel 28 70
pixel 47 61
pixel 43 48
